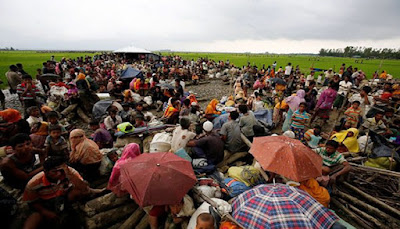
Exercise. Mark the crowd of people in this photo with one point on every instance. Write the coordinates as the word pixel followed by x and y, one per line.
pixel 53 164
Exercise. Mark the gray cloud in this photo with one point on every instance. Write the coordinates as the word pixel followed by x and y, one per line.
pixel 158 24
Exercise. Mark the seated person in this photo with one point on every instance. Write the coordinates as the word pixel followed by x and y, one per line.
pixel 56 145
pixel 139 121
pixel 34 116
pixel 85 155
pixel 313 137
pixel 347 140
pixel 209 148
pixel 185 109
pixel 353 115
pixel 247 122
pixel 205 221
pixel 211 110
pixel 112 121
pixel 50 193
pixel 181 135
pixel 376 124
pixel 101 136
pixel 179 214
pixel 22 165
pixel 52 118
pixel 230 134
pixel 39 134
pixel 334 164
pixel 127 113
pixel 171 114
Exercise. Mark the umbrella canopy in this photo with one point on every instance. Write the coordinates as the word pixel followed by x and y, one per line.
pixel 287 157
pixel 157 178
pixel 100 108
pixel 130 73
pixel 278 81
pixel 50 76
pixel 280 206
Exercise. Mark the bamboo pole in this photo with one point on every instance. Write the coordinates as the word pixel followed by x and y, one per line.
pixel 372 199
pixel 364 215
pixel 214 205
pixel 134 219
pixel 377 170
pixel 350 214
pixel 248 143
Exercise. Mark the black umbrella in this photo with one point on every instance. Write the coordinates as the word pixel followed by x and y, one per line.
pixel 165 86
pixel 50 76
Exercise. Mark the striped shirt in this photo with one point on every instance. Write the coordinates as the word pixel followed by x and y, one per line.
pixel 330 160
pixel 299 119
pixel 39 187
pixel 352 116
pixel 21 88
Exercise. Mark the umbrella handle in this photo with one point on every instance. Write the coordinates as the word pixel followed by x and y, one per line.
pixel 214 205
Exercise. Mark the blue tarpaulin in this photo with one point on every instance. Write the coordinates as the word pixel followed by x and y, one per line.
pixel 131 73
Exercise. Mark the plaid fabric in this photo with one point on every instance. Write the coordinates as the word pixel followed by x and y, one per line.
pixel 280 206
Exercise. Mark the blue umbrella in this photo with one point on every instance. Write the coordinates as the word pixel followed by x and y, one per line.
pixel 131 73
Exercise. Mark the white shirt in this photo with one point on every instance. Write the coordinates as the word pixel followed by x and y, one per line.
pixel 308 79
pixel 110 124
pixel 180 138
pixel 344 87
pixel 288 69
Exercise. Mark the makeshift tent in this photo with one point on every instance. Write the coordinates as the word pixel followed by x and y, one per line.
pixel 132 52
pixel 130 73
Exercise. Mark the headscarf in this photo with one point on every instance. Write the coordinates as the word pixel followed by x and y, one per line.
pixel 396 89
pixel 351 143
pixel 169 111
pixel 295 100
pixel 10 115
pixel 319 193
pixel 130 151
pixel 212 107
pixel 81 76
pixel 43 129
pixel 84 150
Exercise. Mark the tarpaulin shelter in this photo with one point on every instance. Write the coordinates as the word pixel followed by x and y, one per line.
pixel 132 52
pixel 130 73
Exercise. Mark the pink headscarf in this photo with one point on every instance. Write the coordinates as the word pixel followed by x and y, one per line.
pixel 295 100
pixel 130 151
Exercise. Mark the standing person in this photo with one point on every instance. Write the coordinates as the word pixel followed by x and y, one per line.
pixel 311 96
pixel 325 101
pixel 21 69
pixel 27 92
pixel 56 145
pixel 328 76
pixel 293 102
pixel 288 70
pixel 364 98
pixel 344 88
pixel 13 78
pixel 309 78
pixel 299 120
pixel 353 115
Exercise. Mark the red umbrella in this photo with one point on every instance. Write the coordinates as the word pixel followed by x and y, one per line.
pixel 157 178
pixel 287 157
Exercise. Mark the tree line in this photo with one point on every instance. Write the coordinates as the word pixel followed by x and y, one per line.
pixel 362 52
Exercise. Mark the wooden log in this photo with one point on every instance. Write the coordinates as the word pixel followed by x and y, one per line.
pixel 103 203
pixel 116 226
pixel 133 219
pixel 373 200
pixel 107 218
pixel 376 170
pixel 370 209
pixel 364 215
pixel 144 223
pixel 350 214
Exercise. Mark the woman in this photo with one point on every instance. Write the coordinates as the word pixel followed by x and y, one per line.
pixel 85 155
pixel 293 102
pixel 347 140
pixel 39 134
pixel 325 103
pixel 211 110
pixel 130 151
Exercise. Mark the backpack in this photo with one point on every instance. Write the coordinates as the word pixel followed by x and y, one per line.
pixel 234 187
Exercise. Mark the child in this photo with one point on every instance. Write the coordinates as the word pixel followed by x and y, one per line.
pixel 319 79
pixel 180 213
pixel 56 145
pixel 112 121
pixel 299 120
pixel 127 113
pixel 353 115
pixel 139 109
pixel 205 221
pixel 52 118
pixel 139 121
pixel 312 136
pixel 101 136
pixel 34 116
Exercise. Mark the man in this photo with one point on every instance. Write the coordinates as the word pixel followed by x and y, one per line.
pixel 101 136
pixel 288 70
pixel 230 134
pixel 328 76
pixel 309 79
pixel 334 163
pixel 13 78
pixel 381 100
pixel 27 92
pixel 376 124
pixel 181 135
pixel 49 193
pixel 20 166
pixel 344 88
pixel 178 87
pixel 21 70
pixel 209 146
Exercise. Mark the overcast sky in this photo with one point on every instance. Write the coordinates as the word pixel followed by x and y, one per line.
pixel 282 26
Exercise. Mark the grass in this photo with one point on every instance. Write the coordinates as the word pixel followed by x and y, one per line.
pixel 31 60
pixel 305 62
